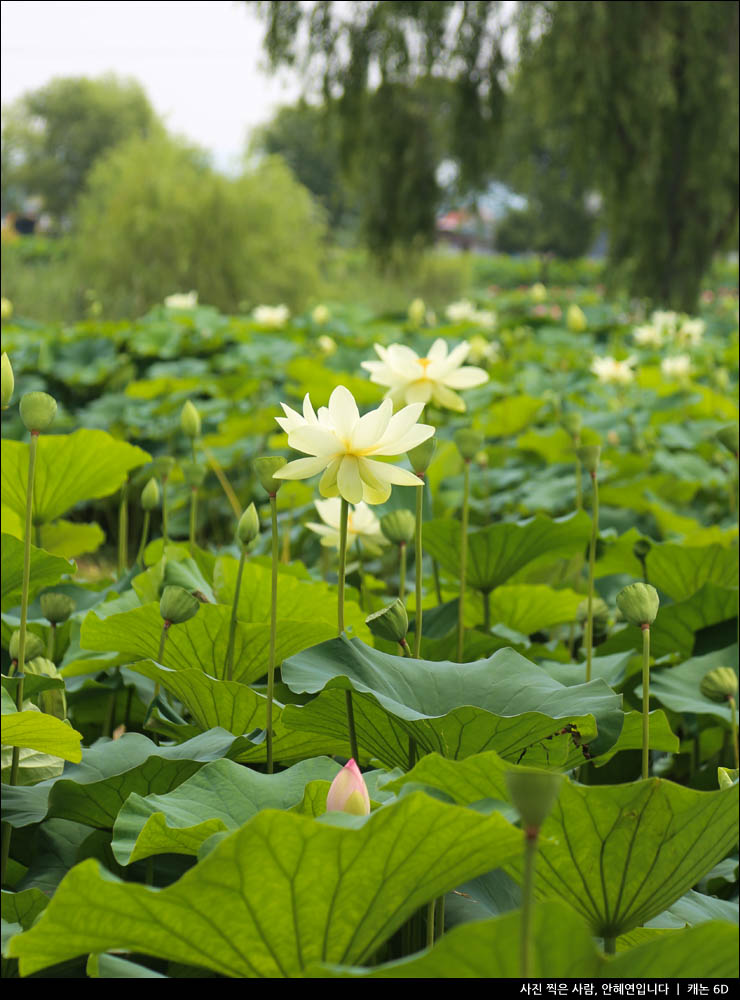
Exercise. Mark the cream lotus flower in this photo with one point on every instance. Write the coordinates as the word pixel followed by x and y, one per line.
pixel 412 379
pixel 676 367
pixel 182 300
pixel 690 332
pixel 465 312
pixel 361 523
pixel 341 443
pixel 608 369
pixel 648 335
pixel 271 317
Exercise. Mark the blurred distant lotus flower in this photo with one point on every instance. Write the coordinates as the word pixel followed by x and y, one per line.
pixel 182 300
pixel 465 312
pixel 666 321
pixel 341 443
pixel 326 344
pixel 6 308
pixel 576 319
pixel 482 349
pixel 608 369
pixel 690 332
pixel 677 367
pixel 361 523
pixel 538 292
pixel 417 312
pixel 412 379
pixel 271 317
pixel 348 792
pixel 320 315
pixel 648 336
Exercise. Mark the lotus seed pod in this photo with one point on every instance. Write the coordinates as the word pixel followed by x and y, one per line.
pixel 533 793
pixel 421 456
pixel 7 382
pixel 391 623
pixel 38 410
pixel 150 495
pixel 265 469
pixel 728 436
pixel 190 420
pixel 589 455
pixel 398 526
pixel 163 466
pixel 57 607
pixel 193 474
pixel 468 442
pixel 600 611
pixel 34 646
pixel 576 319
pixel 177 605
pixel 348 792
pixel 719 684
pixel 573 423
pixel 639 603
pixel 641 548
pixel 249 526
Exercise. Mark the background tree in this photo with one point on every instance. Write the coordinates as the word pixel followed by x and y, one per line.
pixel 52 136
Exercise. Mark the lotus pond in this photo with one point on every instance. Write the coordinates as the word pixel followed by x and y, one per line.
pixel 356 646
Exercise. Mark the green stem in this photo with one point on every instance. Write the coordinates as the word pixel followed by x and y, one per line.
pixel 229 666
pixel 144 537
pixel 645 699
pixel 579 484
pixel 273 632
pixel 193 515
pixel 440 915
pixel 50 642
pixel 402 572
pixel 430 922
pixel 591 562
pixel 733 709
pixel 530 858
pixel 610 945
pixel 343 518
pixel 165 519
pixel 463 560
pixel 418 558
pixel 123 531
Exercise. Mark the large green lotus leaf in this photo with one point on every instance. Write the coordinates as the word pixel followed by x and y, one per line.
pixel 43 732
pixel 46 570
pixel 674 629
pixel 661 736
pixel 697 908
pixel 562 947
pixel 638 495
pixel 611 669
pixel 84 465
pixel 707 951
pixel 678 688
pixel 527 607
pixel 23 907
pixel 554 445
pixel 93 792
pixel 70 538
pixel 282 893
pixel 32 766
pixel 239 709
pixel 505 703
pixel 297 600
pixel 202 642
pixel 496 553
pixel 680 570
pixel 314 376
pixel 511 415
pixel 221 796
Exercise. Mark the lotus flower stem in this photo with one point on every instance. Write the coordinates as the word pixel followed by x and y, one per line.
pixel 610 945
pixel 402 572
pixel 431 905
pixel 343 519
pixel 440 918
pixel 579 484
pixel 123 531
pixel 273 631
pixel 530 859
pixel 144 537
pixel 645 700
pixel 165 521
pixel 193 515
pixel 733 710
pixel 591 561
pixel 463 559
pixel 229 665
pixel 7 830
pixel 418 557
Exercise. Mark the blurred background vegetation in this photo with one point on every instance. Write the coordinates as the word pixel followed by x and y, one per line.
pixel 441 148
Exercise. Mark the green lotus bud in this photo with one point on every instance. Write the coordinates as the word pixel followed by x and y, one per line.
pixel 265 469
pixel 573 423
pixel 190 420
pixel 7 382
pixel 421 456
pixel 533 793
pixel 600 611
pixel 57 607
pixel 150 495
pixel 639 603
pixel 641 548
pixel 177 605
pixel 728 436
pixel 576 319
pixel 249 526
pixel 34 645
pixel 193 474
pixel 391 623
pixel 163 466
pixel 398 526
pixel 589 455
pixel 38 410
pixel 468 442
pixel 719 684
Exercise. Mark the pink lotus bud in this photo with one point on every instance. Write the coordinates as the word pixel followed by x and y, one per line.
pixel 348 792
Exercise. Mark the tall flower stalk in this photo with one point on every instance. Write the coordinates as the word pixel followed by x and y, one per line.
pixel 468 442
pixel 246 531
pixel 123 531
pixel 420 458
pixel 343 518
pixel 639 603
pixel 149 502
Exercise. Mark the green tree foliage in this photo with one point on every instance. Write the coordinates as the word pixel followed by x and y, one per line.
pixel 52 136
pixel 647 95
pixel 155 219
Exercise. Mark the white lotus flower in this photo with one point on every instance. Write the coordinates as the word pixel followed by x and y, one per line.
pixel 690 332
pixel 341 443
pixel 465 312
pixel 271 317
pixel 608 369
pixel 326 344
pixel 361 523
pixel 182 300
pixel 648 335
pixel 320 315
pixel 412 379
pixel 676 367
pixel 665 320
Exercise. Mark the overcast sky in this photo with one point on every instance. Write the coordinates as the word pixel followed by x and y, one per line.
pixel 198 60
